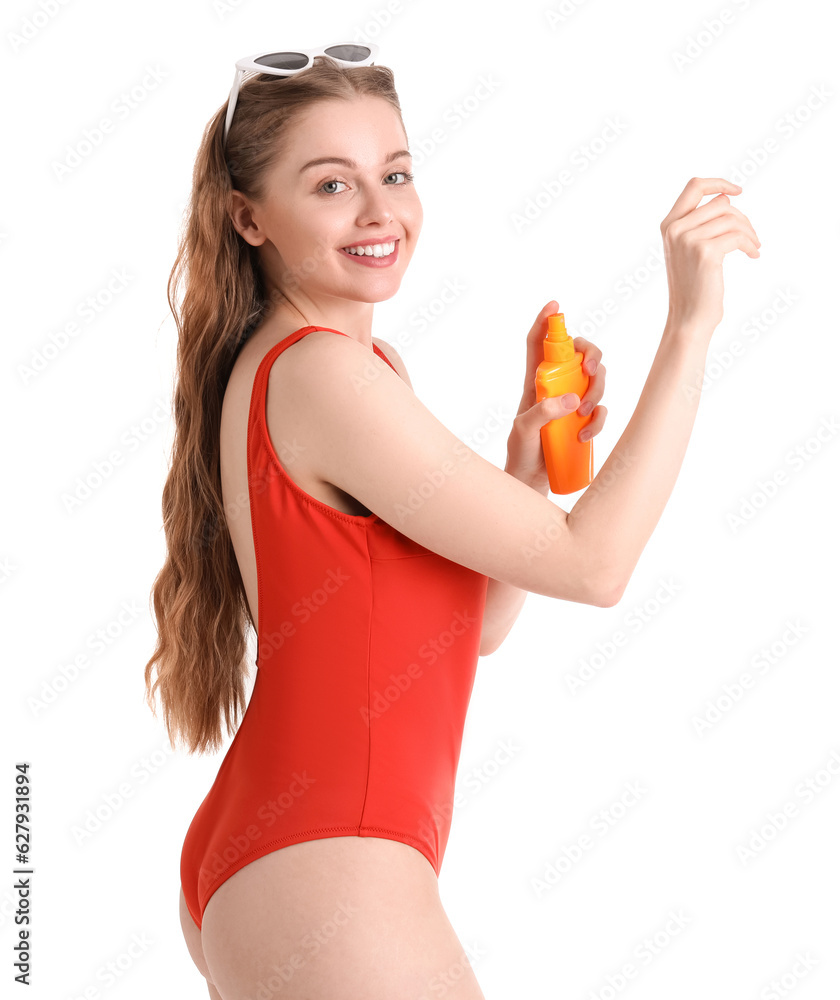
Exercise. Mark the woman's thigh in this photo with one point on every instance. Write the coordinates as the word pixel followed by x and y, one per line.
pixel 346 917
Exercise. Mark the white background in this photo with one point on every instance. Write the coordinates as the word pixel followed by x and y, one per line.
pixel 557 81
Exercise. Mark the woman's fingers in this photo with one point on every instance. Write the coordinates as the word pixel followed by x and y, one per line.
pixel 732 210
pixel 591 355
pixel 735 241
pixel 717 208
pixel 726 226
pixel 694 192
pixel 534 344
pixel 595 425
pixel 594 391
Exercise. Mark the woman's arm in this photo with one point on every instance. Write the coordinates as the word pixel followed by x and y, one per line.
pixel 644 463
pixel 504 601
pixel 631 489
pixel 646 458
pixel 375 440
pixel 611 523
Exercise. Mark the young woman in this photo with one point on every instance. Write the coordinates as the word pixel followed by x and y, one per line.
pixel 313 497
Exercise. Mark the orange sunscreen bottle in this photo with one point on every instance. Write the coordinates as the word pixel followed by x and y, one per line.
pixel 567 460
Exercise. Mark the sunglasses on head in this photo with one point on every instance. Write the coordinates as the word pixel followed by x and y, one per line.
pixel 288 63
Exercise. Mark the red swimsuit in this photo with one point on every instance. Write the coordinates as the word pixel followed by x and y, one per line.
pixel 367 651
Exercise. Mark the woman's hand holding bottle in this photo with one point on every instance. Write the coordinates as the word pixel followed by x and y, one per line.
pixel 525 458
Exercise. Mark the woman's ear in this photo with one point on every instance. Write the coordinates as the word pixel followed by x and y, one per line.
pixel 242 217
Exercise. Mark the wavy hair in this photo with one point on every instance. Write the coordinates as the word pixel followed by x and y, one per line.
pixel 200 606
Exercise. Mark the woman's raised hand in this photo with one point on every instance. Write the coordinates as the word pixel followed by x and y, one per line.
pixel 696 240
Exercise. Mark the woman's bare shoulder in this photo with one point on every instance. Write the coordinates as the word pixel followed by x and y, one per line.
pixel 267 335
pixel 392 355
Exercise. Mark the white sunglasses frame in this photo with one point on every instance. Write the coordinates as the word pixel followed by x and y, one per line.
pixel 248 65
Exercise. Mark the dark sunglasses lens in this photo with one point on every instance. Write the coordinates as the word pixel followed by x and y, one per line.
pixel 283 60
pixel 349 53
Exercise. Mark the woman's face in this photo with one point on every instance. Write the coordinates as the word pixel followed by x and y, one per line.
pixel 310 212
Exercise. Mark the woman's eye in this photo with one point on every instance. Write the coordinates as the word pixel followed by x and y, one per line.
pixel 330 182
pixel 409 177
pixel 403 173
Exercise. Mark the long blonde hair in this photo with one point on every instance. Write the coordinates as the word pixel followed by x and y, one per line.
pixel 199 600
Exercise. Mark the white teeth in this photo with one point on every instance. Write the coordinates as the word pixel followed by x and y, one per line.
pixel 376 250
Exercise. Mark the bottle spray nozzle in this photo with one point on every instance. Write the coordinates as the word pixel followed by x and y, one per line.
pixel 557 324
pixel 559 346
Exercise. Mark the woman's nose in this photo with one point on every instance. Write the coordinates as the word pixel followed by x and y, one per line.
pixel 375 206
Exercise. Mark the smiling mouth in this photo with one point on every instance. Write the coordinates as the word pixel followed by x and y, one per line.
pixel 373 250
